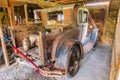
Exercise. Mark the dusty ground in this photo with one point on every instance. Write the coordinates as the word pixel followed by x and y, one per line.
pixel 94 66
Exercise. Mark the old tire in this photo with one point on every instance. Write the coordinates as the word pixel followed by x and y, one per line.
pixel 1 56
pixel 74 61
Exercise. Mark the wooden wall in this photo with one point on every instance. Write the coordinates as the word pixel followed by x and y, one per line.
pixel 69 17
pixel 44 17
pixel 110 22
pixel 115 65
pixel 21 33
pixel 3 3
pixel 99 16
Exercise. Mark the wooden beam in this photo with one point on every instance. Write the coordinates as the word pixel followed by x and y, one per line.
pixel 3 3
pixel 41 3
pixel 11 26
pixel 110 23
pixel 13 40
pixel 26 14
pixel 115 64
pixel 11 14
pixel 10 17
pixel 41 47
pixel 69 1
pixel 6 58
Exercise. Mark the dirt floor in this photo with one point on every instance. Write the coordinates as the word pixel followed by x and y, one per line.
pixel 94 66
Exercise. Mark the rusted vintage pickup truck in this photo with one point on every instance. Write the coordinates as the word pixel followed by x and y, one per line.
pixel 69 34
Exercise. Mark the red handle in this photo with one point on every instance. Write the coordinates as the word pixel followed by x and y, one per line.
pixel 28 59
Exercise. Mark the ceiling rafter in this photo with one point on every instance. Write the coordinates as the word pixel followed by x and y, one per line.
pixel 47 3
pixel 41 3
pixel 66 1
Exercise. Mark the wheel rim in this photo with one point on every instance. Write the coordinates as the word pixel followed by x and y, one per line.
pixel 74 61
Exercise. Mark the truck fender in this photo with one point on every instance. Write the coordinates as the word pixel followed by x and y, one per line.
pixel 64 53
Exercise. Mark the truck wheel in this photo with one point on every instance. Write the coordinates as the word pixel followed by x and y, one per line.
pixel 1 56
pixel 74 62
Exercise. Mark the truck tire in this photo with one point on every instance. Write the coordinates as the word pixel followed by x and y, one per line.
pixel 1 56
pixel 74 62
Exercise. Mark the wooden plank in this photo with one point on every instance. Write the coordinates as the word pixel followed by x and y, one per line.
pixel 10 17
pixel 69 1
pixel 3 3
pixel 4 46
pixel 38 43
pixel 41 47
pixel 41 3
pixel 44 17
pixel 11 13
pixel 68 14
pixel 13 40
pixel 11 26
pixel 115 64
pixel 26 14
pixel 110 23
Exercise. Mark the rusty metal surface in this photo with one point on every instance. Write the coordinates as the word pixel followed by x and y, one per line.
pixel 61 45
pixel 64 37
pixel 58 45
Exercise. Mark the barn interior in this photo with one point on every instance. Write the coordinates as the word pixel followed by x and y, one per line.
pixel 31 32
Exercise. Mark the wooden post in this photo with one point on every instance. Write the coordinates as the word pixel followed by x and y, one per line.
pixel 11 13
pixel 11 25
pixel 13 40
pixel 115 62
pixel 26 13
pixel 41 47
pixel 4 46
pixel 10 17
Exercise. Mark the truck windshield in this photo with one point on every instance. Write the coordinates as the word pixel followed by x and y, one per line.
pixel 55 17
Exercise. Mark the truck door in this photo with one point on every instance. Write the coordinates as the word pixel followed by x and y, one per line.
pixel 82 20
